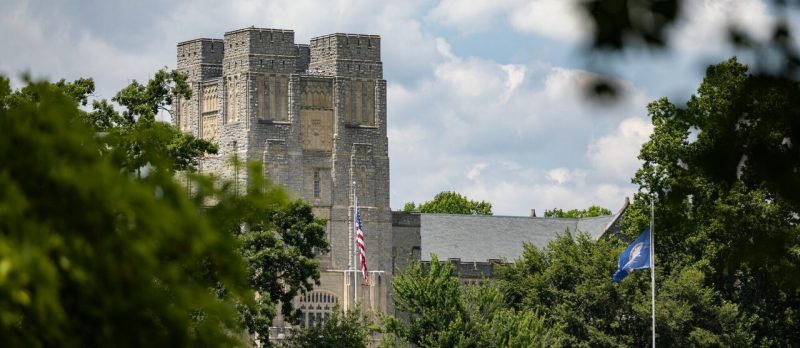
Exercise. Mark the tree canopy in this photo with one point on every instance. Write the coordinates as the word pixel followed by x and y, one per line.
pixel 345 329
pixel 89 257
pixel 448 202
pixel 738 229
pixel 442 313
pixel 592 211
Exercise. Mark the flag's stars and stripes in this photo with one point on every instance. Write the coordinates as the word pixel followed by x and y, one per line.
pixel 361 249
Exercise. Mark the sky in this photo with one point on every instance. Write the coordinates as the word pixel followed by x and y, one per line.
pixel 485 97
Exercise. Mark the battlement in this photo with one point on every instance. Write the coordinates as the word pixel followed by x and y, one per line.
pixel 351 55
pixel 200 51
pixel 201 59
pixel 474 270
pixel 274 51
pixel 303 54
pixel 346 46
pixel 261 41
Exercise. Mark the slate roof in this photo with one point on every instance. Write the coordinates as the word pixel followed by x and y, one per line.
pixel 480 238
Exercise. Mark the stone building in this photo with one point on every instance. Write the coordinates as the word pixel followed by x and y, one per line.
pixel 315 114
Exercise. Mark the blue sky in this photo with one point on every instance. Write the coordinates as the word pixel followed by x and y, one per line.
pixel 485 96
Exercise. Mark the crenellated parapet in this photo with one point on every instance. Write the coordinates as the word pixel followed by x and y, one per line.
pixel 201 59
pixel 346 55
pixel 260 50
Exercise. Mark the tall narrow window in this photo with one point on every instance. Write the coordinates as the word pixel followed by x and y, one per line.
pixel 364 100
pixel 277 98
pixel 284 99
pixel 348 101
pixel 369 114
pixel 232 100
pixel 362 185
pixel 357 101
pixel 265 94
pixel 262 97
pixel 316 184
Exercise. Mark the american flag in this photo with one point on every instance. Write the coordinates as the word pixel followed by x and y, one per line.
pixel 362 253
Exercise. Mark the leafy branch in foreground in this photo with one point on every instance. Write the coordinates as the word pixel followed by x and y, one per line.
pixel 91 257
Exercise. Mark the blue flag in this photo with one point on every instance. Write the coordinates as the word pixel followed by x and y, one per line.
pixel 635 256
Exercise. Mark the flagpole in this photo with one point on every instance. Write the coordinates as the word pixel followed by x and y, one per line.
pixel 653 268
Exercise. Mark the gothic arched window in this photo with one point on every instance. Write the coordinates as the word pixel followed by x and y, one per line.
pixel 316 307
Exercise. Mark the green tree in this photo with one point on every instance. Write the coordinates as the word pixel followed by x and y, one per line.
pixel 278 239
pixel 343 329
pixel 569 283
pixel 136 138
pixel 432 299
pixel 447 202
pixel 442 313
pixel 592 211
pixel 133 138
pixel 739 230
pixel 89 257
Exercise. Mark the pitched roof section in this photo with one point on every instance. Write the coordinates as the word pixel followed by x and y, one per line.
pixel 480 238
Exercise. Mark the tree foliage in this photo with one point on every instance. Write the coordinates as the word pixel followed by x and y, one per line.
pixel 733 223
pixel 133 138
pixel 89 257
pixel 592 211
pixel 278 239
pixel 448 202
pixel 343 329
pixel 442 313
pixel 569 283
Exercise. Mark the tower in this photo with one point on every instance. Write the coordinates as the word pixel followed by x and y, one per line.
pixel 316 116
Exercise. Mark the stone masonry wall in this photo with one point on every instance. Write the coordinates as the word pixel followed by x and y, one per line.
pixel 200 60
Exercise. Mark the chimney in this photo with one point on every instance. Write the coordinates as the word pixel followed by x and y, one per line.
pixel 533 213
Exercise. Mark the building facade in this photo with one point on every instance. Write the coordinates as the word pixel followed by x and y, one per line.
pixel 315 115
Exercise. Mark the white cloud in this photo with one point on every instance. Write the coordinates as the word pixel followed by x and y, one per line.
pixel 616 154
pixel 517 198
pixel 475 172
pixel 703 28
pixel 564 175
pixel 67 54
pixel 557 19
pixel 501 133
pixel 469 15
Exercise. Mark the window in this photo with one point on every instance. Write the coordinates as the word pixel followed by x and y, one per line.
pixel 210 99
pixel 316 307
pixel 232 115
pixel 359 104
pixel 316 184
pixel 272 91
